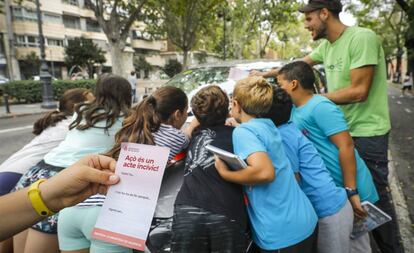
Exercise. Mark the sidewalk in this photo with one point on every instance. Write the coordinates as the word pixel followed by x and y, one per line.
pixel 21 110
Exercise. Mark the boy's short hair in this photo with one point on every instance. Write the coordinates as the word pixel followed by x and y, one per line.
pixel 281 108
pixel 210 106
pixel 254 95
pixel 300 71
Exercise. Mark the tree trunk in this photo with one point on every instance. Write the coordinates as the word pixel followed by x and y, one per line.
pixel 121 60
pixel 185 59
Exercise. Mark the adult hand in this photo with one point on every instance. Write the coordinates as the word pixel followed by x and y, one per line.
pixel 231 122
pixel 356 206
pixel 91 175
pixel 256 73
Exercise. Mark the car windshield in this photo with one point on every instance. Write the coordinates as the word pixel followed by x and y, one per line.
pixel 192 78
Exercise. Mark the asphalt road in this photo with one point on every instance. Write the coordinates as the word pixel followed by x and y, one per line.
pixel 14 134
pixel 402 143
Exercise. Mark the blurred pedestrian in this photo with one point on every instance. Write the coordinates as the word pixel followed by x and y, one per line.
pixel 132 79
pixel 407 84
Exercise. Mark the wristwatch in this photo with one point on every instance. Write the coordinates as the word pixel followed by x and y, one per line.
pixel 351 192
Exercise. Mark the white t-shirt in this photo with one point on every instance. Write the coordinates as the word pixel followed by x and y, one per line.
pixel 37 148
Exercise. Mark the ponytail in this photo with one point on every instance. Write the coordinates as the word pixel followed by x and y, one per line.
pixel 67 102
pixel 138 127
pixel 50 119
pixel 146 118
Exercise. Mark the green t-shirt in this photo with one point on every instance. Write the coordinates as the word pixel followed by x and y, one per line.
pixel 355 48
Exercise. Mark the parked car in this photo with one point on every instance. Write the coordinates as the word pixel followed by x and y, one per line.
pixel 37 78
pixel 225 74
pixel 3 80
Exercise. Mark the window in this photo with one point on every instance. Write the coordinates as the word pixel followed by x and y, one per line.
pixel 54 42
pixel 20 40
pixel 20 13
pixel 32 41
pixel 71 22
pixel 71 2
pixel 52 18
pixel 27 41
pixel 92 26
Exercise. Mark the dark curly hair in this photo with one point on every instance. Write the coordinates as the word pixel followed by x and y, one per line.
pixel 210 106
pixel 281 108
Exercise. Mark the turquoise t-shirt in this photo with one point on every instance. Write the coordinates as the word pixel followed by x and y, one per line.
pixel 316 182
pixel 318 119
pixel 280 213
pixel 355 48
pixel 79 143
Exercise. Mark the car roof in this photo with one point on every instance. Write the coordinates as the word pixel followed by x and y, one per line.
pixel 243 64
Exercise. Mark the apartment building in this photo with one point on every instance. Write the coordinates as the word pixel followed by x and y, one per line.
pixel 63 20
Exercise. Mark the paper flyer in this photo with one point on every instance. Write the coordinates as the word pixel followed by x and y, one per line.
pixel 126 215
pixel 237 74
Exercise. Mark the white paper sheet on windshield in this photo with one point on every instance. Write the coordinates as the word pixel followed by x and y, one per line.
pixel 237 74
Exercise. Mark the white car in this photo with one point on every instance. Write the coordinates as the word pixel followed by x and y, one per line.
pixel 225 75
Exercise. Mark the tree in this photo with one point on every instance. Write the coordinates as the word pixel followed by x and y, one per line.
pixel 182 21
pixel 172 67
pixel 388 20
pixel 84 53
pixel 408 8
pixel 116 18
pixel 26 65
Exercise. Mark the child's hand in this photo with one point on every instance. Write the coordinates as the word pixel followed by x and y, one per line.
pixel 356 206
pixel 221 166
pixel 231 122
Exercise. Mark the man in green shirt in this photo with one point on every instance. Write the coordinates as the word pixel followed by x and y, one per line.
pixel 356 80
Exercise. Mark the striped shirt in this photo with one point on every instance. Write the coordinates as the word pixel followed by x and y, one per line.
pixel 166 136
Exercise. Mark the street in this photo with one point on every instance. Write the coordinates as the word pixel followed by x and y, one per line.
pixel 16 132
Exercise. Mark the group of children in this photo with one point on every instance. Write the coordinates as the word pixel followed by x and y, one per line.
pixel 299 193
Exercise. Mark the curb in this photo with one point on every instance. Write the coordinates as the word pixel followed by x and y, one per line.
pixel 401 209
pixel 15 115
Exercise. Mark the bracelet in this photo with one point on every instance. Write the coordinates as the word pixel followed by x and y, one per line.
pixel 37 201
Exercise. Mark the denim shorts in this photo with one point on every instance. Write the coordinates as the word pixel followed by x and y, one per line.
pixel 41 170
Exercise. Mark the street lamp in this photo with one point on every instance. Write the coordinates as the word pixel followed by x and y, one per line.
pixel 45 77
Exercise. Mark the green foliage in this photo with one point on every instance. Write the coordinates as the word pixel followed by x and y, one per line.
pixel 30 91
pixel 172 67
pixel 140 63
pixel 182 21
pixel 30 65
pixel 83 52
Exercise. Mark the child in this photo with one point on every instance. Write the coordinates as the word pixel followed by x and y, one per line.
pixel 91 132
pixel 209 214
pixel 282 218
pixel 155 121
pixel 330 201
pixel 324 124
pixel 50 130
pixel 407 84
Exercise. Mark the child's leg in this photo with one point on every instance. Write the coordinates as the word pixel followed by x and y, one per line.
pixel 361 244
pixel 335 231
pixel 19 241
pixel 39 242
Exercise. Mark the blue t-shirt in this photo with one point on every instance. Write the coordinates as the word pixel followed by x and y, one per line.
pixel 319 119
pixel 280 213
pixel 316 182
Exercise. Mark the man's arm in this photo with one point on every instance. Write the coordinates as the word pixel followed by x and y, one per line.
pixel 309 61
pixel 259 170
pixel 358 91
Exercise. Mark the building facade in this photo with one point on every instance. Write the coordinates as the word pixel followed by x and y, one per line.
pixel 63 20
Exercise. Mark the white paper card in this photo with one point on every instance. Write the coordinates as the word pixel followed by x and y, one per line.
pixel 129 207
